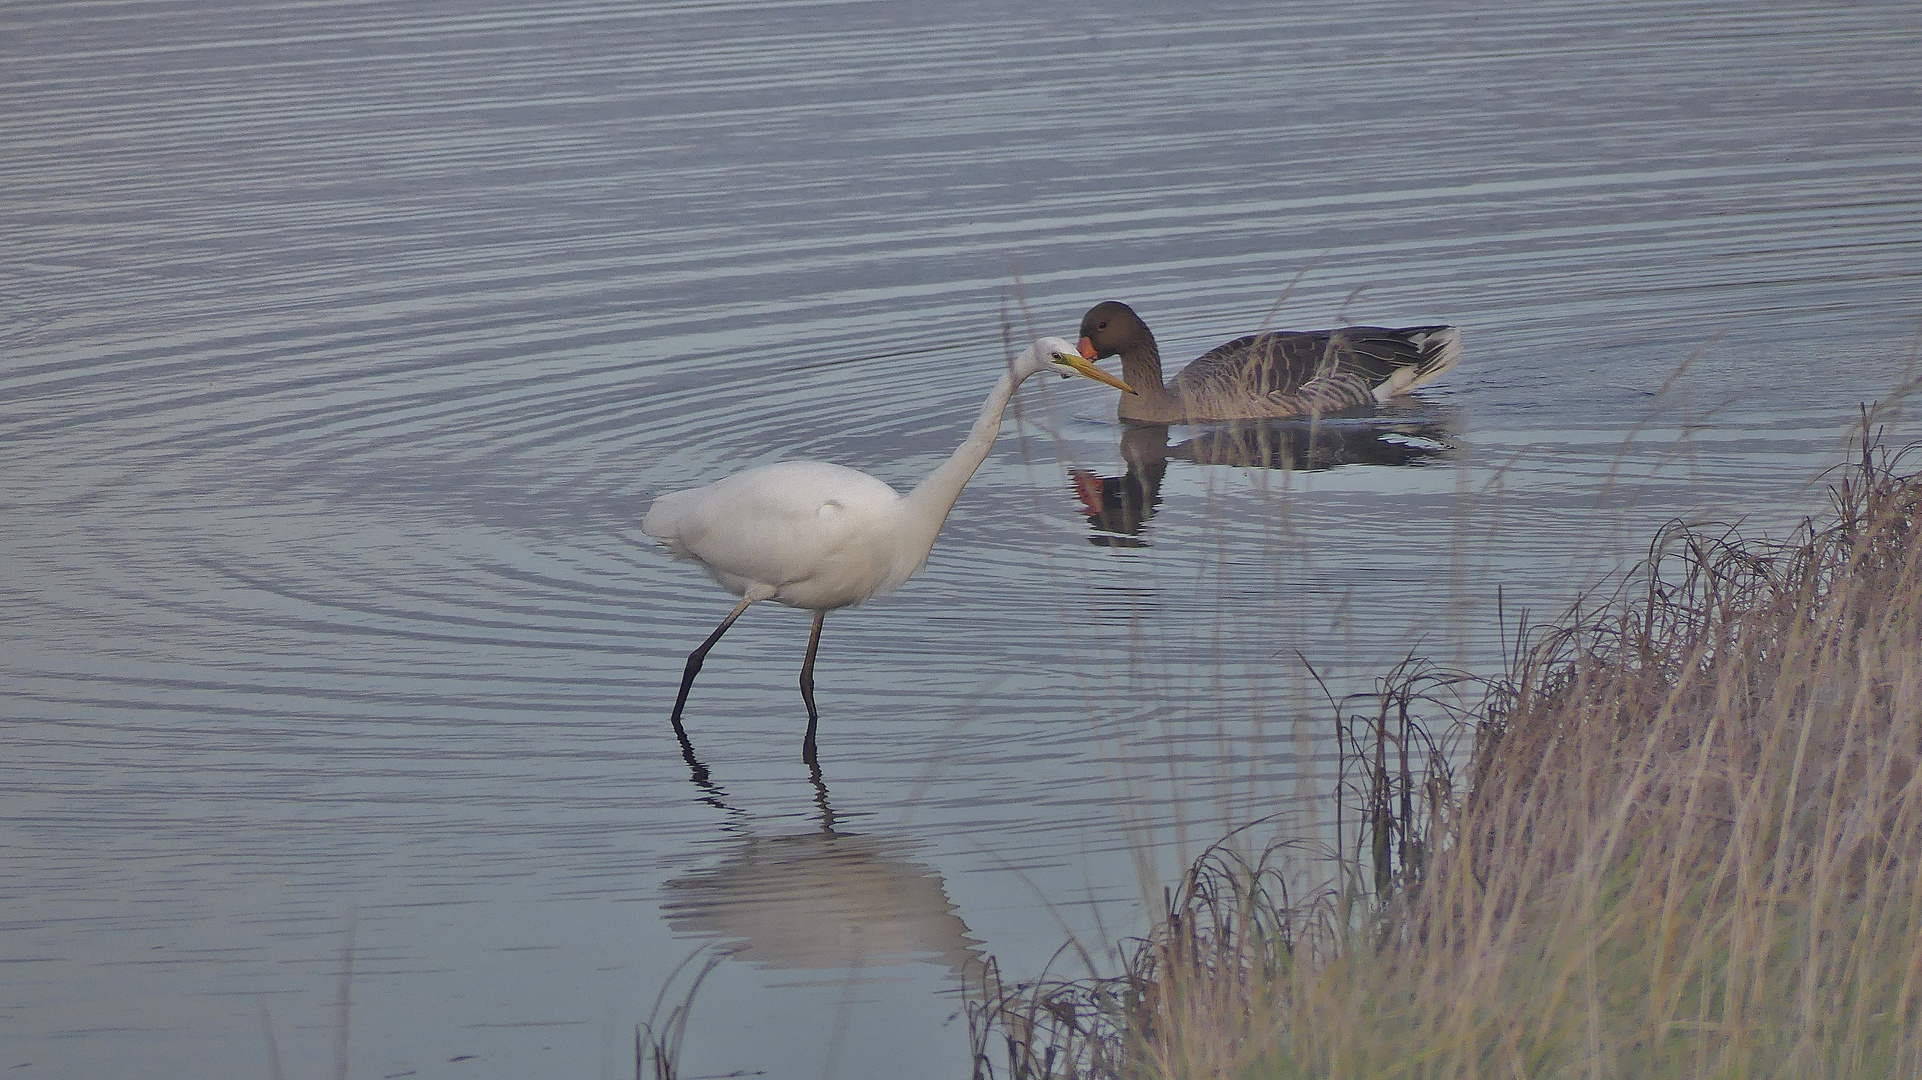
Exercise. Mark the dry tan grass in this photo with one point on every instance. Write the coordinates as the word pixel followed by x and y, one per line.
pixel 1689 845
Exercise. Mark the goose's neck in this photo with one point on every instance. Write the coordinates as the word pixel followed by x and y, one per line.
pixel 926 507
pixel 1152 400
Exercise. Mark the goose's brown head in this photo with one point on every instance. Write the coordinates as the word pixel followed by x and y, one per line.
pixel 1112 327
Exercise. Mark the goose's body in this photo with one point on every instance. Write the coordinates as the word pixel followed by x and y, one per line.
pixel 1261 376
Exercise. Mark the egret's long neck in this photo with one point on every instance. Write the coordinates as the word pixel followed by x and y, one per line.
pixel 926 507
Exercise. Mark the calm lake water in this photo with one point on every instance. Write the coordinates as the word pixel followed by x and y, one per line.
pixel 345 344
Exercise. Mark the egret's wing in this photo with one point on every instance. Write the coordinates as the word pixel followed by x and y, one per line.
pixel 775 524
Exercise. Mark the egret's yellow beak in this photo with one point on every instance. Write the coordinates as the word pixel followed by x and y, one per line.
pixel 1083 367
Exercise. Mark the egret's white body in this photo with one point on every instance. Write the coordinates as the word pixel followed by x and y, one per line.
pixel 808 534
pixel 818 536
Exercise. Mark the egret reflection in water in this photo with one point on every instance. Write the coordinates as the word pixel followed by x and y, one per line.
pixel 1404 432
pixel 822 900
pixel 825 901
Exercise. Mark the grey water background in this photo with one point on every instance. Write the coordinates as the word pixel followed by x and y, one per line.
pixel 343 346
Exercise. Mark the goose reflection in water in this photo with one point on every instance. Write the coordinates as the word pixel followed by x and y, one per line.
pixel 1405 432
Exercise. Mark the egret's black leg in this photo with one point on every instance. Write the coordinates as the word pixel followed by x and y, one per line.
pixel 807 692
pixel 693 668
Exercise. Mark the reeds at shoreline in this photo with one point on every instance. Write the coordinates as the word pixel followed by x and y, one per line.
pixel 1687 842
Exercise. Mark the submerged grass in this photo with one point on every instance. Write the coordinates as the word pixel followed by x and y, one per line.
pixel 1686 841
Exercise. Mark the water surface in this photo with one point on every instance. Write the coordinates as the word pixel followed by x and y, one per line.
pixel 344 345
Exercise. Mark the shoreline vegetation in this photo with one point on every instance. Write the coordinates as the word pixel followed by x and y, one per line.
pixel 1683 838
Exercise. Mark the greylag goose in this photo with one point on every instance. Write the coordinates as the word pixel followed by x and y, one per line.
pixel 1276 374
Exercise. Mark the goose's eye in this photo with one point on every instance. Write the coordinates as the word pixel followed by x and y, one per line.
pixel 1100 326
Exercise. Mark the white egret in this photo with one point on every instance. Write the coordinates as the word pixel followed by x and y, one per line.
pixel 1285 373
pixel 818 536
